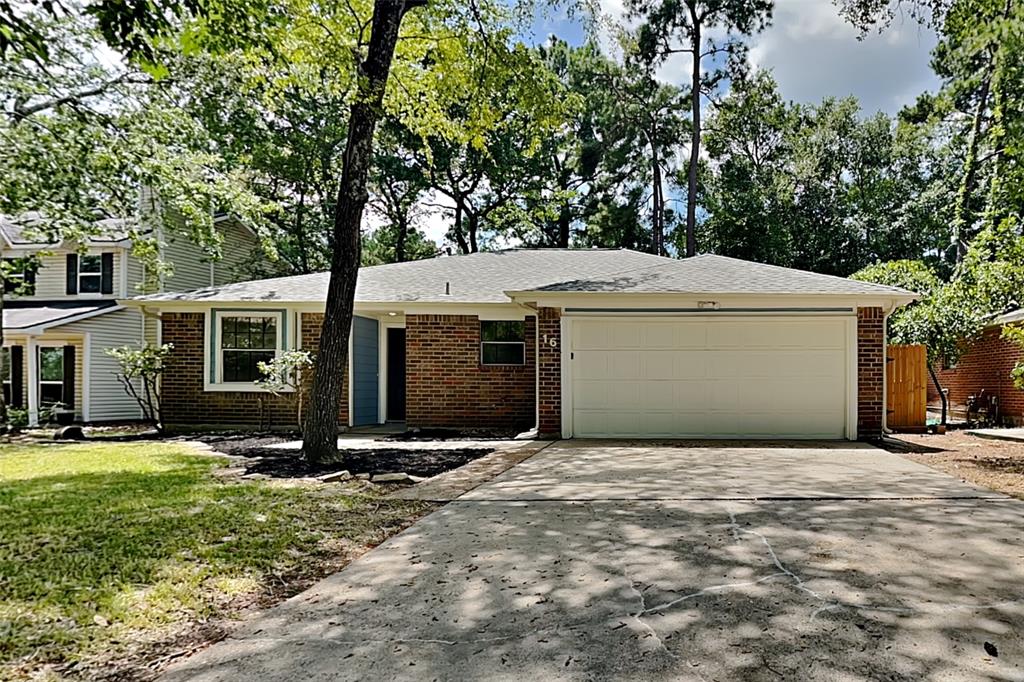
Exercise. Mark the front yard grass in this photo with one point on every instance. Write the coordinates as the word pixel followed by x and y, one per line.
pixel 116 558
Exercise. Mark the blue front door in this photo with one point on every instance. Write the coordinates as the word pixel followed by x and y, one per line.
pixel 365 370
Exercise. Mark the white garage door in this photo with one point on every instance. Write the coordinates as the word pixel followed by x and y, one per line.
pixel 754 377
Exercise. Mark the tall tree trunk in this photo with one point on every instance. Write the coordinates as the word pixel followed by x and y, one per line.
pixel 460 236
pixel 320 437
pixel 657 212
pixel 564 223
pixel 691 180
pixel 403 233
pixel 961 209
pixel 474 225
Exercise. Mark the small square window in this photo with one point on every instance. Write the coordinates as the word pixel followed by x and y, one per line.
pixel 502 342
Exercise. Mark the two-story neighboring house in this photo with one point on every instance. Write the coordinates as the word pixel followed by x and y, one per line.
pixel 58 329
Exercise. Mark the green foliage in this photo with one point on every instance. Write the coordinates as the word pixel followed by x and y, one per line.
pixel 140 372
pixel 943 319
pixel 82 134
pixel 284 373
pixel 817 187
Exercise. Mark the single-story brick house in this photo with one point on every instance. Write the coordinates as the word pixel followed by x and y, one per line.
pixel 577 343
pixel 984 366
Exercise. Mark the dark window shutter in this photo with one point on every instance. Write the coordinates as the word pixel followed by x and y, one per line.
pixel 69 376
pixel 17 376
pixel 107 278
pixel 72 261
pixel 30 280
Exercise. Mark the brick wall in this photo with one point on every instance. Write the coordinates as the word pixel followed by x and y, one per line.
pixel 870 372
pixel 549 361
pixel 446 386
pixel 187 406
pixel 986 365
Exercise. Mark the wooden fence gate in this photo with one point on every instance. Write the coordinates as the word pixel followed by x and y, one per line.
pixel 906 383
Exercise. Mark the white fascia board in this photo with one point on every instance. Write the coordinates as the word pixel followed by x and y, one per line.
pixel 498 311
pixel 692 300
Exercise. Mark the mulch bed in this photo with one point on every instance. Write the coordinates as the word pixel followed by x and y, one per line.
pixel 258 458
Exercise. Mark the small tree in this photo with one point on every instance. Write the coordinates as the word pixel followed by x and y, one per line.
pixel 942 320
pixel 141 368
pixel 282 377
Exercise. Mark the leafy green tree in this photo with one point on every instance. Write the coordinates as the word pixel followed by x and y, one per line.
pixel 711 33
pixel 749 191
pixel 942 320
pixel 817 186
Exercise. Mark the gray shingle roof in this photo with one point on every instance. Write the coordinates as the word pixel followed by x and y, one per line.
pixel 485 277
pixel 475 278
pixel 19 315
pixel 28 228
pixel 711 274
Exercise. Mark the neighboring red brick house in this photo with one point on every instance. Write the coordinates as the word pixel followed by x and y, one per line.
pixel 985 365
pixel 577 343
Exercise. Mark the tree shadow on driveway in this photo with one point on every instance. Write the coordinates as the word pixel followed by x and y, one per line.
pixel 667 589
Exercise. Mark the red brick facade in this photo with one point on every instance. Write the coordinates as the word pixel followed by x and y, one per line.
pixel 870 372
pixel 188 406
pixel 985 366
pixel 549 372
pixel 446 386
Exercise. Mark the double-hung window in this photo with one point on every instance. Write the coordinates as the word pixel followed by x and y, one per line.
pixel 19 282
pixel 502 342
pixel 90 274
pixel 243 341
pixel 51 375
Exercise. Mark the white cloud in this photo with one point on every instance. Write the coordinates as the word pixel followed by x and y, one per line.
pixel 814 53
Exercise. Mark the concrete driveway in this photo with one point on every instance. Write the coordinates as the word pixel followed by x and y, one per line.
pixel 720 561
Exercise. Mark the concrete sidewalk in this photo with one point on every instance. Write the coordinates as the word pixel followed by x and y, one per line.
pixel 596 561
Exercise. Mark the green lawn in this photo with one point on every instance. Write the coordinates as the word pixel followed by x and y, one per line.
pixel 114 554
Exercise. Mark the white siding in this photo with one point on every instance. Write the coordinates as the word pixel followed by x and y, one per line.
pixel 136 275
pixel 51 277
pixel 191 266
pixel 107 398
pixel 240 246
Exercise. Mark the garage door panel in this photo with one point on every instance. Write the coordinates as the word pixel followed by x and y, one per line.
pixel 754 377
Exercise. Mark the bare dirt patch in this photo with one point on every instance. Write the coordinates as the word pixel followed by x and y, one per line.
pixel 995 464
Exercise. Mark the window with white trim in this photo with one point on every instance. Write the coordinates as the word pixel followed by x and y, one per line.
pixel 244 341
pixel 90 274
pixel 502 342
pixel 51 375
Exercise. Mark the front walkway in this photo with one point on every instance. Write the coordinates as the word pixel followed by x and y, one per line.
pixel 645 561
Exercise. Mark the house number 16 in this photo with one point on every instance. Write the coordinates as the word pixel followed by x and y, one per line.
pixel 551 341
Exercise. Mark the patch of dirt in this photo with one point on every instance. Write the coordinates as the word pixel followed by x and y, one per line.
pixel 256 457
pixel 995 464
pixel 242 443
